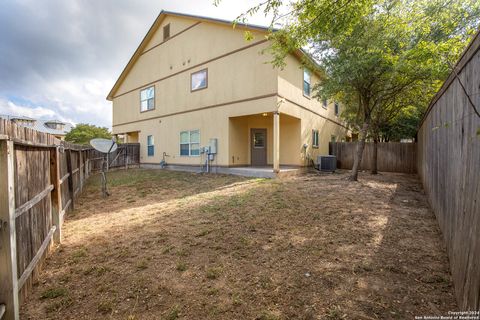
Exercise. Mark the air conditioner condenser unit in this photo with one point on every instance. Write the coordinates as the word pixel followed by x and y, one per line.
pixel 327 163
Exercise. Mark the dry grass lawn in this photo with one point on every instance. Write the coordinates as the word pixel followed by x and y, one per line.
pixel 170 245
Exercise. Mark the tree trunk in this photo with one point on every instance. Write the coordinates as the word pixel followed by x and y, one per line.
pixel 359 152
pixel 375 152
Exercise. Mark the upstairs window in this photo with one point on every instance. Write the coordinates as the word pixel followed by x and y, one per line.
pixel 166 32
pixel 337 108
pixel 150 146
pixel 325 103
pixel 306 83
pixel 147 99
pixel 315 138
pixel 190 143
pixel 199 80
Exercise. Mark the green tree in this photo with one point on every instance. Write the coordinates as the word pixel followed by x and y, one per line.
pixel 376 55
pixel 403 125
pixel 83 133
pixel 399 118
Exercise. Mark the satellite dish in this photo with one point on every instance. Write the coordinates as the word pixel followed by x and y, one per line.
pixel 103 145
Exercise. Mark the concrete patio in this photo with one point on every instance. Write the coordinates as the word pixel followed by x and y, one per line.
pixel 257 172
pixel 261 172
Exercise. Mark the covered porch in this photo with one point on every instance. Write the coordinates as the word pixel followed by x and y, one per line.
pixel 127 137
pixel 264 143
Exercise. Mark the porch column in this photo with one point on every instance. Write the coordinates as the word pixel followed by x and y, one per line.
pixel 276 142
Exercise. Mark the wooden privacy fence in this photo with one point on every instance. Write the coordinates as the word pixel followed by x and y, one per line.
pixel 449 167
pixel 40 177
pixel 391 157
pixel 126 154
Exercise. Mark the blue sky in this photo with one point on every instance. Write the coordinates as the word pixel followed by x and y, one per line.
pixel 59 59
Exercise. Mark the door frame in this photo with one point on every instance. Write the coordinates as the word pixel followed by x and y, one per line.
pixel 252 146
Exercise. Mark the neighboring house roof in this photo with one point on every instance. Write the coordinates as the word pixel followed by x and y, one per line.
pixel 41 125
pixel 9 117
pixel 299 53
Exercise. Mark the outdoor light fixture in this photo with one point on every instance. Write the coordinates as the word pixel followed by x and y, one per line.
pixel 264 114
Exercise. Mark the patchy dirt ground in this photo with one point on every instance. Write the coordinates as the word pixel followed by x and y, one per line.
pixel 169 245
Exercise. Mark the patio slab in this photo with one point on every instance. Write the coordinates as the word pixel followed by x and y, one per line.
pixel 256 172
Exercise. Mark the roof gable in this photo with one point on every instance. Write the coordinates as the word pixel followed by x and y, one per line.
pixel 147 42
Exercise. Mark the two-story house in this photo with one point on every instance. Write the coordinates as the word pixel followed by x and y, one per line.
pixel 193 79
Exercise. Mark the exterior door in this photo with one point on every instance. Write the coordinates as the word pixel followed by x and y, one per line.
pixel 258 147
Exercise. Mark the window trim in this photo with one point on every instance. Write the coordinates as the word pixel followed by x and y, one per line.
pixel 190 144
pixel 166 27
pixel 154 99
pixel 336 108
pixel 309 96
pixel 315 134
pixel 151 145
pixel 191 77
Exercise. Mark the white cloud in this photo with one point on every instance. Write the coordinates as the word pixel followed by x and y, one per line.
pixel 80 99
pixel 38 112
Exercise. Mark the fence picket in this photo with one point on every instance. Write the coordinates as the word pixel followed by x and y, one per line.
pixel 391 157
pixel 8 249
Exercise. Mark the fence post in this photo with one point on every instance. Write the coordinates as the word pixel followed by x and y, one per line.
pixel 108 159
pixel 56 194
pixel 68 153
pixel 126 156
pixel 87 170
pixel 80 169
pixel 8 242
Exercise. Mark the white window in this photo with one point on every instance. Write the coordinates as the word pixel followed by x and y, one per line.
pixel 147 99
pixel 306 83
pixel 150 146
pixel 199 80
pixel 315 138
pixel 190 143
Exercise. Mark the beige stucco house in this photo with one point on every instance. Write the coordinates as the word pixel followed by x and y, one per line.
pixel 193 79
